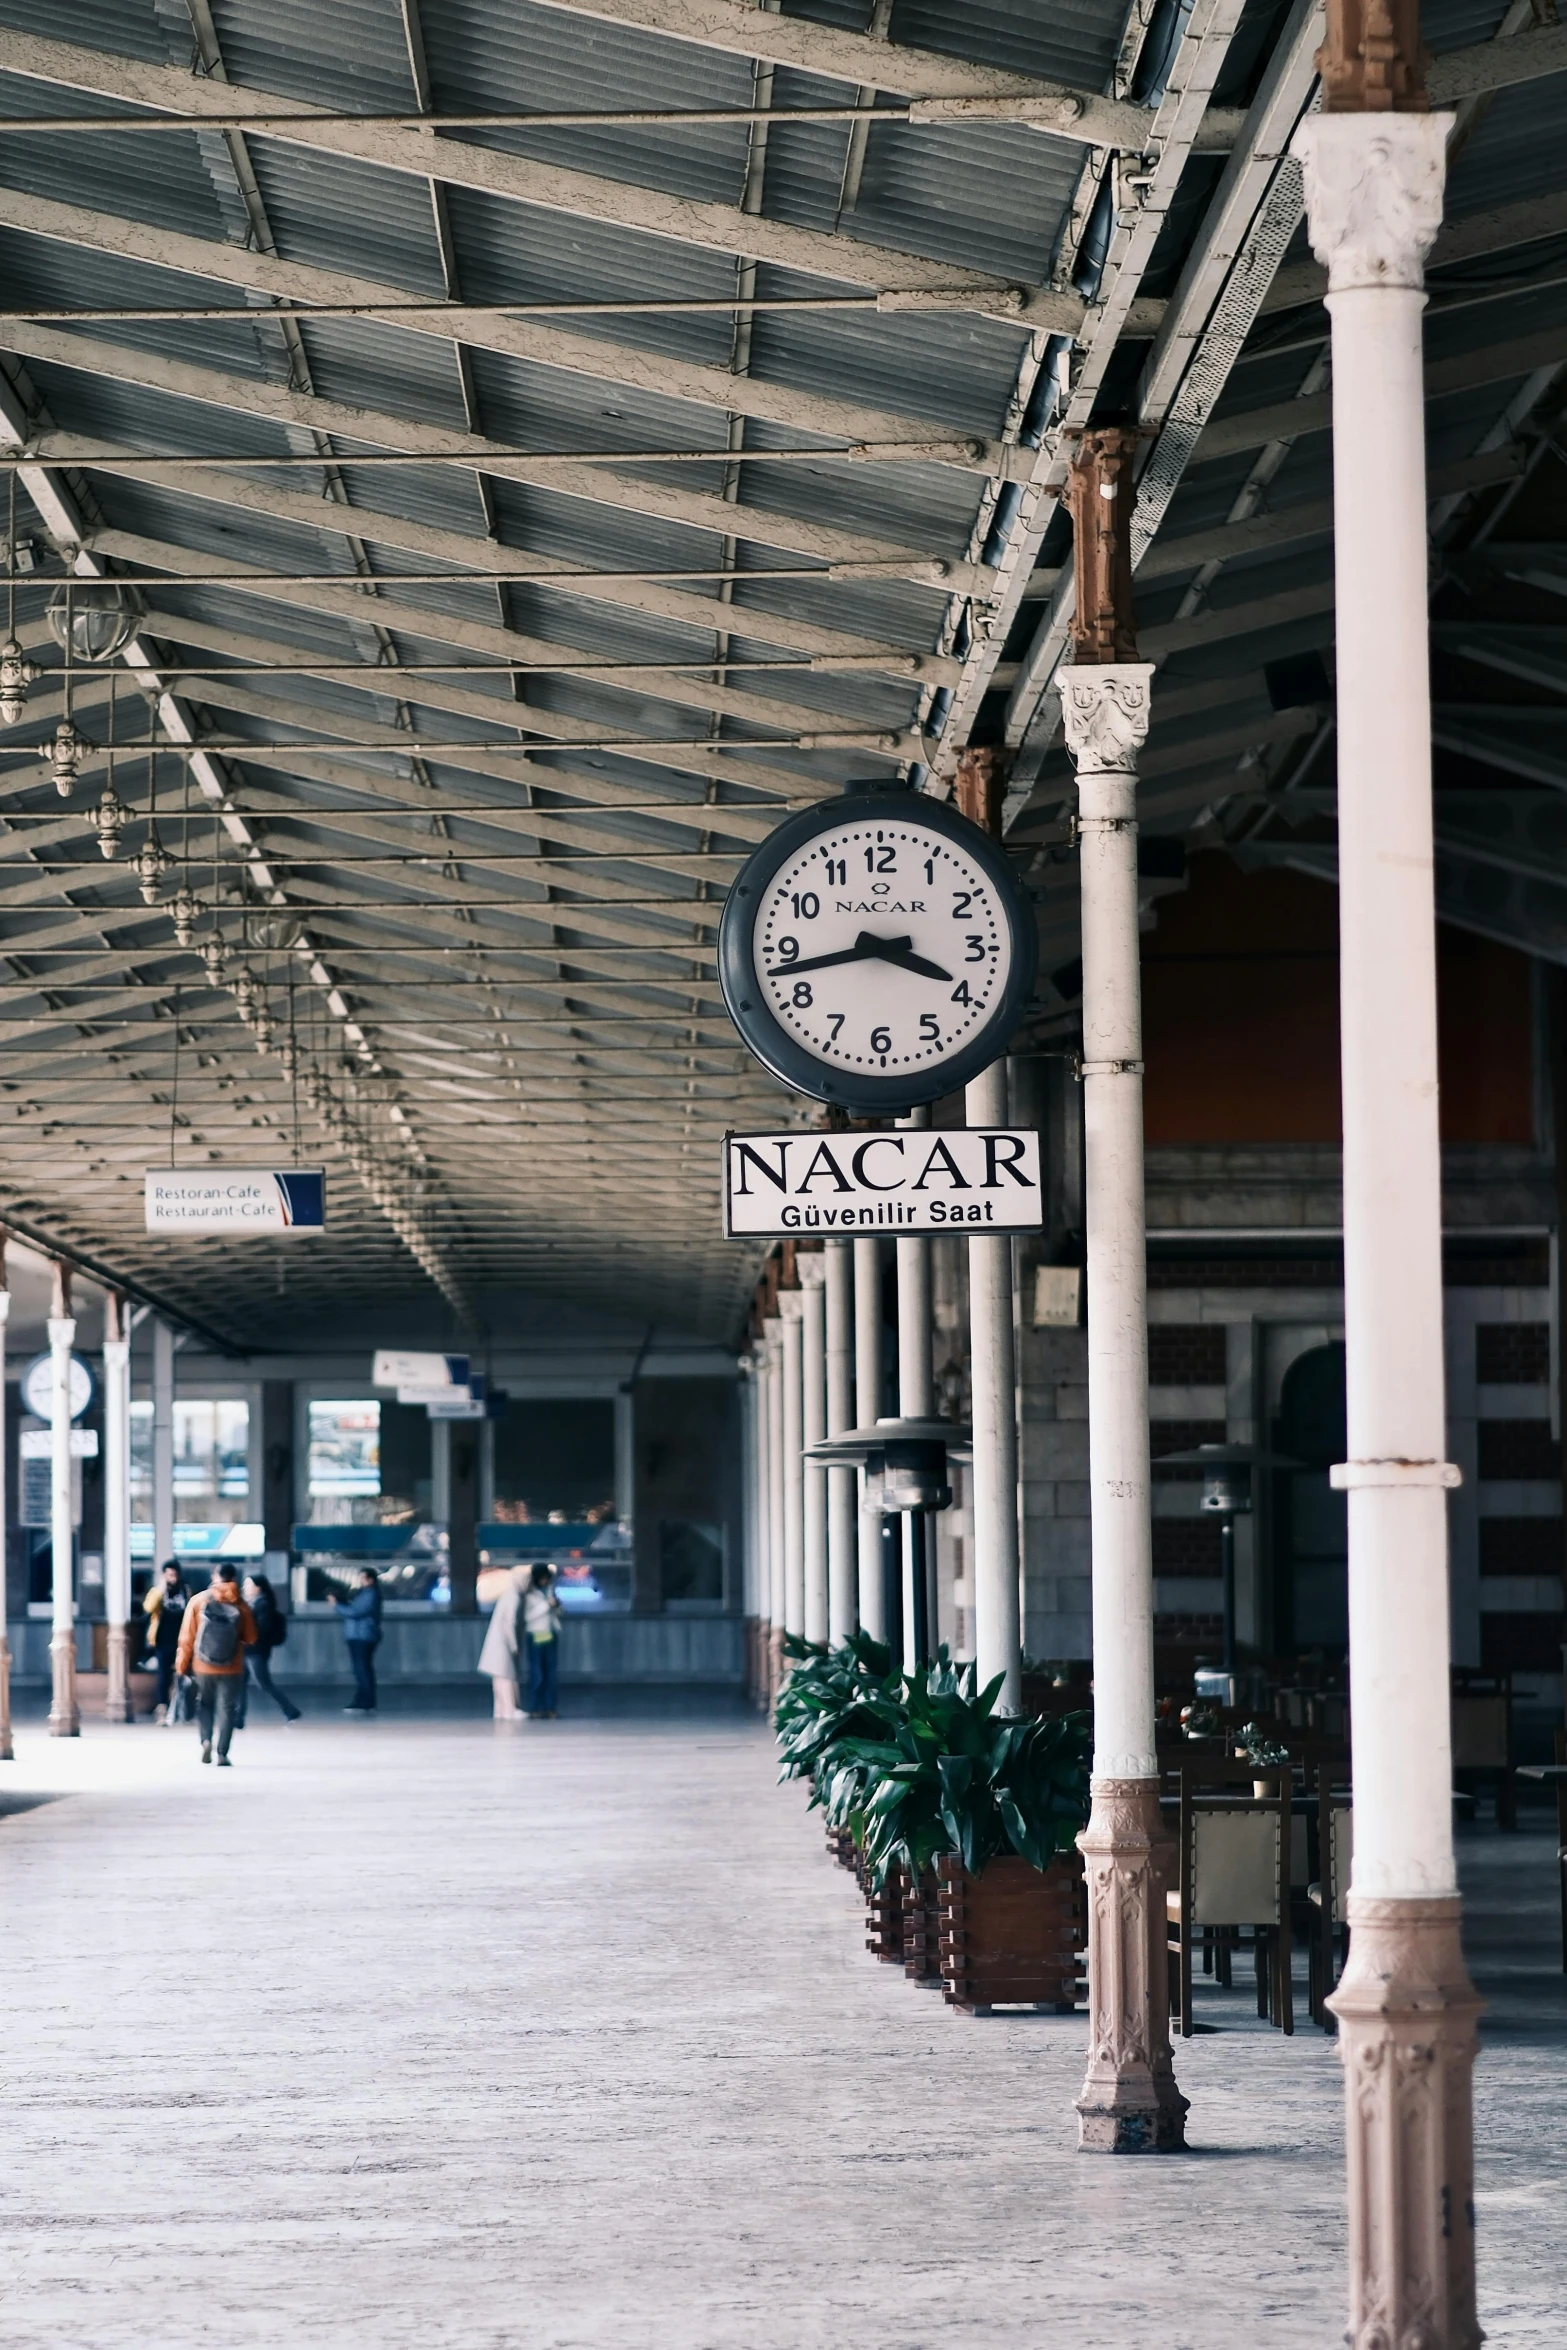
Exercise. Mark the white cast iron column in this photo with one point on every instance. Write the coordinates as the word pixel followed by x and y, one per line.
pixel 867 1408
pixel 1406 2008
pixel 916 1382
pixel 1130 2103
pixel 842 1495
pixel 7 1750
pixel 163 1443
pixel 750 1548
pixel 117 1508
pixel 998 1628
pixel 791 1309
pixel 813 1427
pixel 65 1719
pixel 777 1575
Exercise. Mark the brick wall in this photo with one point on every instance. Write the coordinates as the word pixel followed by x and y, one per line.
pixel 1186 1354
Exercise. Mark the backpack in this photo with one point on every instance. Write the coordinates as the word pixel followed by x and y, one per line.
pixel 217 1643
pixel 276 1629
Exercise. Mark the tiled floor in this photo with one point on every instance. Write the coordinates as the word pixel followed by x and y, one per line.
pixel 427 2033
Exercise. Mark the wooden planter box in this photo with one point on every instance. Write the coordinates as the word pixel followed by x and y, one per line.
pixel 1011 1936
pixel 921 1932
pixel 884 1919
pixel 843 1848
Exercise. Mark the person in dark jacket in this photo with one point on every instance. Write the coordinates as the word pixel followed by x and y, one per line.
pixel 361 1616
pixel 164 1606
pixel 271 1632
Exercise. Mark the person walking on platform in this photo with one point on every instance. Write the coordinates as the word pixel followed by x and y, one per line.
pixel 361 1616
pixel 164 1607
pixel 498 1656
pixel 271 1632
pixel 541 1625
pixel 217 1629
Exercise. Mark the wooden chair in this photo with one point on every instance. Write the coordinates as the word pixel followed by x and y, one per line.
pixel 1483 1736
pixel 1234 1872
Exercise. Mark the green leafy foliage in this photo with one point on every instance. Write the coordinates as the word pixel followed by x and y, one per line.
pixel 830 1694
pixel 916 1766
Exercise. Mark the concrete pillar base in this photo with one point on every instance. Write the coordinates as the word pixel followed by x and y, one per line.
pixel 117 1699
pixel 1406 2012
pixel 7 1750
pixel 65 1717
pixel 1130 2103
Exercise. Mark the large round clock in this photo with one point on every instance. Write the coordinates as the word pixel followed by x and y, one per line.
pixel 876 951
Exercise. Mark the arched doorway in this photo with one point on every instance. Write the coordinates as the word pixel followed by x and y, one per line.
pixel 1312 1533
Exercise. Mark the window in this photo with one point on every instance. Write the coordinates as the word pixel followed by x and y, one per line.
pixel 212 1501
pixel 345 1461
pixel 555 1459
pixel 368 1463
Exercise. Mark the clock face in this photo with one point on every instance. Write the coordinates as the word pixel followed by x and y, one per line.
pixel 881 952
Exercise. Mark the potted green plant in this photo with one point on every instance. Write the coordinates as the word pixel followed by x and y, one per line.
pixel 830 1695
pixel 985 1813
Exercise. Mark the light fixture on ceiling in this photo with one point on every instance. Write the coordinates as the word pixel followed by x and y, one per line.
pixel 92 622
pixel 64 756
pixel 107 820
pixel 151 866
pixel 17 673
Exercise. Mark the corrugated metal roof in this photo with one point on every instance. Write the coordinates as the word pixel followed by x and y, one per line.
pixel 628 848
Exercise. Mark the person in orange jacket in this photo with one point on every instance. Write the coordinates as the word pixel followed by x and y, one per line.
pixel 217 1629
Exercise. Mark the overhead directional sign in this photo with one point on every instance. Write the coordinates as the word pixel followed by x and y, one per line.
pixel 433 1376
pixel 968 1179
pixel 241 1201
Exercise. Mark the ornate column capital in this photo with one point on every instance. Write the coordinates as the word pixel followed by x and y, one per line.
pixel 116 1353
pixel 1373 194
pixel 812 1271
pixel 791 1305
pixel 1104 713
pixel 62 1331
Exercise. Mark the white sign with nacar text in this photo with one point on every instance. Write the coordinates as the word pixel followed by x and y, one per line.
pixel 962 1179
pixel 241 1201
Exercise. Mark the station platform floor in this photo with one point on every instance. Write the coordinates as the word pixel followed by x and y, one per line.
pixel 424 2033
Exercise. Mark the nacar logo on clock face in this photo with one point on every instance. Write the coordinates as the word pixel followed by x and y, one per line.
pixel 876 951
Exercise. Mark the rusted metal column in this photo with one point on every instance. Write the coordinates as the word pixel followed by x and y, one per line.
pixel 1374 164
pixel 117 1507
pixel 65 1720
pixel 998 1620
pixel 1129 2102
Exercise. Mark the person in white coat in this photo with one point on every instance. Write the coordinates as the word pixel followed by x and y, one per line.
pixel 498 1656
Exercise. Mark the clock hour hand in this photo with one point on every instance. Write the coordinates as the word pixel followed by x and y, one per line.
pixel 863 950
pixel 898 952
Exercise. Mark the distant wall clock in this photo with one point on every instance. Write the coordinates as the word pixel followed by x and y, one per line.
pixel 876 951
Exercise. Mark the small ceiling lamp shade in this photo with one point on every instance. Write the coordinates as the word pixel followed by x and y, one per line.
pixel 94 615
